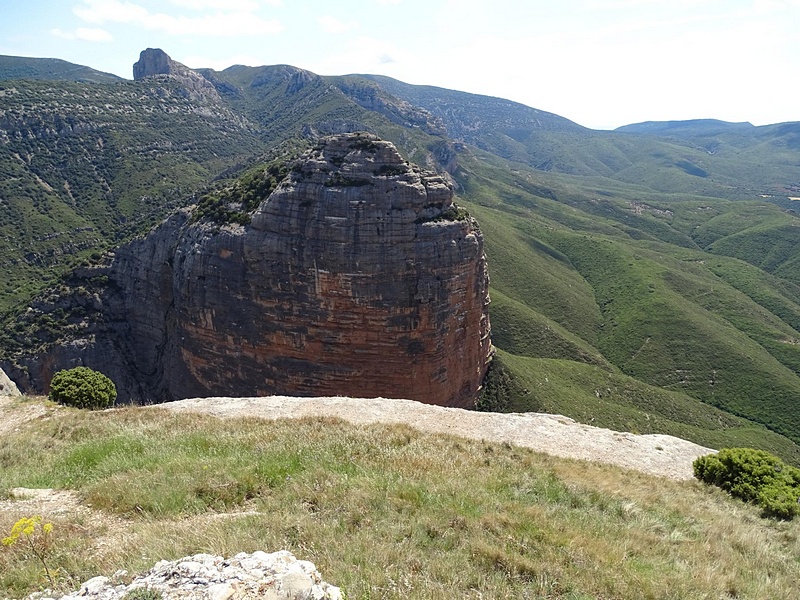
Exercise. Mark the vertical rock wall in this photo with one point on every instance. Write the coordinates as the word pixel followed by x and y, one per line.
pixel 357 276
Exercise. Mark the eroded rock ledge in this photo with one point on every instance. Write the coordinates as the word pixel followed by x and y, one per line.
pixel 357 276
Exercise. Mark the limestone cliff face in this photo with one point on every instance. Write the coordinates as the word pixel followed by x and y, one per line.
pixel 357 276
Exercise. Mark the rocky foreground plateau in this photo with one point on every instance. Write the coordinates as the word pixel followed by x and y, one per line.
pixel 654 454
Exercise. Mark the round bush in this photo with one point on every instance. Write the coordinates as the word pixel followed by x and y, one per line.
pixel 82 387
pixel 754 476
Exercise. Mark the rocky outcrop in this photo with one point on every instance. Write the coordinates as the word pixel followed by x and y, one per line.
pixel 155 62
pixel 7 387
pixel 276 576
pixel 370 96
pixel 357 276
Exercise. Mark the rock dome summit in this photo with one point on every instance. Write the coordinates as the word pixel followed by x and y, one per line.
pixel 357 276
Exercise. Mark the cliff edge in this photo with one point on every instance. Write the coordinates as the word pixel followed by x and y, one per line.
pixel 356 276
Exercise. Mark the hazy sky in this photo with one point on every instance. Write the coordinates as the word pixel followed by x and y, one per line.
pixel 601 63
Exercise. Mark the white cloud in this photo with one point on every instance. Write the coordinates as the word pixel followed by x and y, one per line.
pixel 331 24
pixel 772 5
pixel 226 24
pixel 93 34
pixel 235 23
pixel 235 5
pixel 389 2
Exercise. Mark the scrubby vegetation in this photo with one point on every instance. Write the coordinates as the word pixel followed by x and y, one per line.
pixel 339 180
pixel 754 476
pixel 82 387
pixel 86 165
pixel 235 202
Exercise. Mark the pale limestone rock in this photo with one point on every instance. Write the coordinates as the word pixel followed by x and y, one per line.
pixel 93 586
pixel 279 576
pixel 154 62
pixel 7 387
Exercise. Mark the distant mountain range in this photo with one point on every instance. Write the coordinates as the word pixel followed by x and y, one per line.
pixel 645 279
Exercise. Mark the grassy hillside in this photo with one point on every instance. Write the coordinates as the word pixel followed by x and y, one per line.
pixel 383 511
pixel 618 287
pixel 608 398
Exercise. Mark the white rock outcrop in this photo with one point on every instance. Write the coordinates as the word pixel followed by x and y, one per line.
pixel 7 387
pixel 276 576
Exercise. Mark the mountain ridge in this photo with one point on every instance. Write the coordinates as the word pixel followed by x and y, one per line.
pixel 21 67
pixel 51 69
pixel 712 125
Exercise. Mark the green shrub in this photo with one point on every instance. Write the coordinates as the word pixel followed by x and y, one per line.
pixel 780 500
pixel 82 387
pixel 754 476
pixel 143 593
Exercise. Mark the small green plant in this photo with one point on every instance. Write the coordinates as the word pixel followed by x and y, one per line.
pixel 37 539
pixel 82 387
pixel 451 213
pixel 495 391
pixel 143 593
pixel 754 476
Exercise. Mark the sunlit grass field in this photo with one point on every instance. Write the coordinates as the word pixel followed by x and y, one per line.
pixel 383 511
